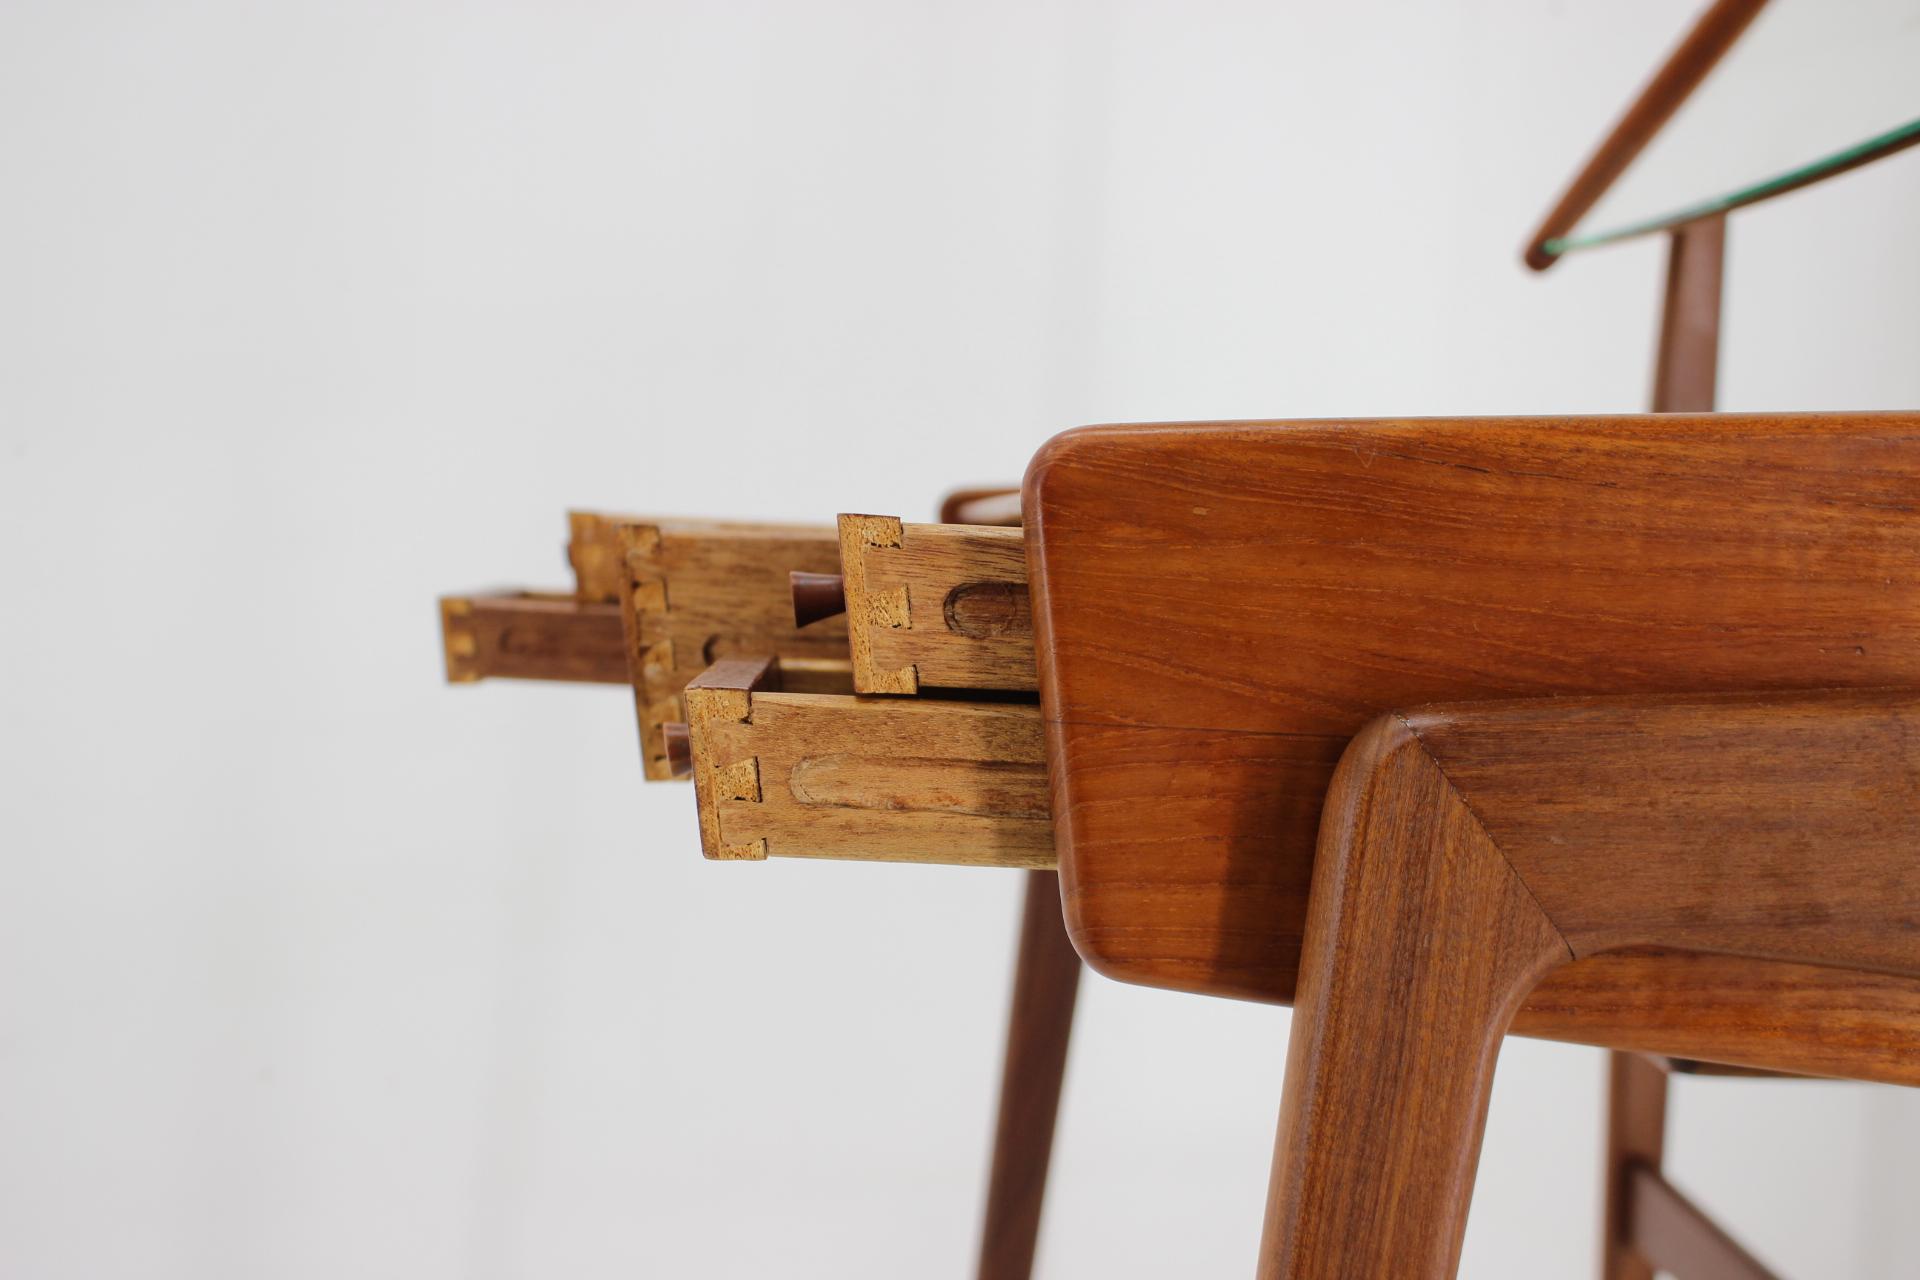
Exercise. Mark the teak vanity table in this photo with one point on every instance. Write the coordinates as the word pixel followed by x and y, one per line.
pixel 1596 729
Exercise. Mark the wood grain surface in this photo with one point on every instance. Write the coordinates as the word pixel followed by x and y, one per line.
pixel 936 605
pixel 527 635
pixel 1786 828
pixel 694 592
pixel 801 775
pixel 1468 850
pixel 1421 943
pixel 1219 607
pixel 1811 1020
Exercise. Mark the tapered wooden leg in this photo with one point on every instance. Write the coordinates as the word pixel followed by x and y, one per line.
pixel 1045 981
pixel 1420 944
pixel 1636 1139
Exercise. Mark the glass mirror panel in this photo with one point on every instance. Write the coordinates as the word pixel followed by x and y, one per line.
pixel 1807 88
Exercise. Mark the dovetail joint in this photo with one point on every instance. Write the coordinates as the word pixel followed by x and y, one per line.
pixel 881 531
pixel 890 608
pixel 650 596
pixel 738 781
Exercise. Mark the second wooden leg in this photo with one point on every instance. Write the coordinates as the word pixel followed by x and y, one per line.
pixel 1045 982
pixel 1421 942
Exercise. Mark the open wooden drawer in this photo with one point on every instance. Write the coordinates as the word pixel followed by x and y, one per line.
pixel 942 606
pixel 831 775
pixel 655 602
pixel 696 592
pixel 531 635
pixel 545 635
pixel 936 606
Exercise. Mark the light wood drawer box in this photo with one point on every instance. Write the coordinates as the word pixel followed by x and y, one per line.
pixel 811 775
pixel 655 602
pixel 530 635
pixel 544 635
pixel 936 606
pixel 693 592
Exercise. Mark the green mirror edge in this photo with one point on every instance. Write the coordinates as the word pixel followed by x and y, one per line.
pixel 1874 148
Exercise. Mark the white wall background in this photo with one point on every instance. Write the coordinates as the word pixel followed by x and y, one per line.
pixel 313 967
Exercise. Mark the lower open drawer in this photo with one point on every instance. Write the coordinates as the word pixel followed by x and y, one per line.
pixel 822 775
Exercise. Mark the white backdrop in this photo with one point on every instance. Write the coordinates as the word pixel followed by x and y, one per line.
pixel 313 967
